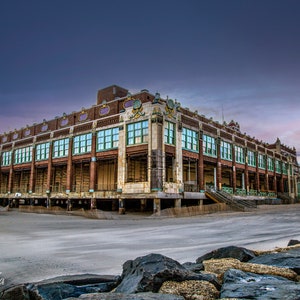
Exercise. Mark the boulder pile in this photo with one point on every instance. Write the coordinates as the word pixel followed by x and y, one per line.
pixel 226 273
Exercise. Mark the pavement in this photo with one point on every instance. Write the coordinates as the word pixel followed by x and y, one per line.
pixel 34 247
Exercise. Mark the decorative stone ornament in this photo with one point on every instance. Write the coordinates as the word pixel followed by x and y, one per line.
pixel 44 126
pixel 83 115
pixel 64 120
pixel 157 111
pixel 157 98
pixel 104 108
pixel 137 110
pixel 15 135
pixel 171 108
pixel 27 131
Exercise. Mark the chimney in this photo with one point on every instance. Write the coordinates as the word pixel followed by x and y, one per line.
pixel 110 93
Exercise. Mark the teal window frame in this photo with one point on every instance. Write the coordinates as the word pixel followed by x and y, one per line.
pixel 42 151
pixel 285 167
pixel 82 144
pixel 261 161
pixel 60 148
pixel 23 155
pixel 239 154
pixel 170 133
pixel 278 166
pixel 6 158
pixel 209 145
pixel 251 158
pixel 226 150
pixel 270 164
pixel 107 139
pixel 190 140
pixel 137 133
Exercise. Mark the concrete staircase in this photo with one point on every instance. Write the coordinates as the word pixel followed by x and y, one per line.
pixel 240 204
pixel 285 198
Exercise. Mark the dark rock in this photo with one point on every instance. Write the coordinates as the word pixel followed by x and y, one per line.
pixel 293 242
pixel 81 279
pixel 197 268
pixel 62 290
pixel 286 259
pixel 19 292
pixel 242 285
pixel 147 274
pixel 242 254
pixel 62 287
pixel 120 296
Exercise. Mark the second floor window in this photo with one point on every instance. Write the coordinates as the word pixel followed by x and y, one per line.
pixel 42 151
pixel 261 161
pixel 278 166
pixel 270 164
pixel 137 133
pixel 82 143
pixel 226 150
pixel 239 154
pixel 108 139
pixel 61 148
pixel 209 145
pixel 23 155
pixel 170 133
pixel 6 158
pixel 251 158
pixel 190 140
pixel 285 168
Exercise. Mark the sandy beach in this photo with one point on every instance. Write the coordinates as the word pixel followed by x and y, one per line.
pixel 34 247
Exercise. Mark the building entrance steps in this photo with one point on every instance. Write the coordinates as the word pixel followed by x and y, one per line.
pixel 241 204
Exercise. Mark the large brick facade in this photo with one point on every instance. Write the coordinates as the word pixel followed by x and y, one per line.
pixel 139 147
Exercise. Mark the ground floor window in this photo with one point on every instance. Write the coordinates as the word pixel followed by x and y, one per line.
pixel 190 175
pixel 170 174
pixel 137 168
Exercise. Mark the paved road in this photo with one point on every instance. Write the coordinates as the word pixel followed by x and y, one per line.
pixel 34 247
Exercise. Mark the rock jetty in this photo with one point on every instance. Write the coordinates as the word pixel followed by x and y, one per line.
pixel 225 273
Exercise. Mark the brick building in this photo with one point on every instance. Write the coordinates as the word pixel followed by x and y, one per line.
pixel 138 152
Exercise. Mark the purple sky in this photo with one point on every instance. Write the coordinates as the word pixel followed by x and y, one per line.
pixel 235 59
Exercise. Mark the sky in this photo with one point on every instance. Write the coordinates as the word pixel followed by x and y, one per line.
pixel 230 60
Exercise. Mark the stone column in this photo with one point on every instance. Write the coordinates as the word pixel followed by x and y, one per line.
pixel 11 172
pixel 275 183
pixel 266 174
pixel 281 184
pixel 215 178
pixel 156 152
pixel 93 164
pixel 32 171
pixel 121 206
pixel 246 172
pixel 93 203
pixel 257 183
pixel 179 158
pixel 219 165
pixel 274 173
pixel 121 159
pixel 201 163
pixel 114 205
pixel 177 203
pixel 289 180
pixel 233 169
pixel 201 203
pixel 156 206
pixel 49 170
pixel 69 166
pixel 143 204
